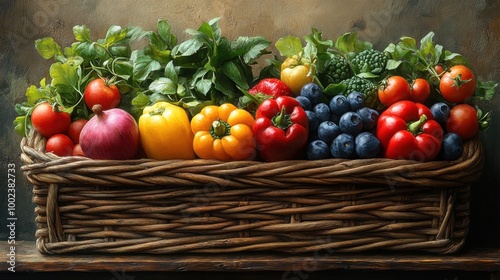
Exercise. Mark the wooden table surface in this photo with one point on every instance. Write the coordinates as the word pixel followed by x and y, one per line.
pixel 28 259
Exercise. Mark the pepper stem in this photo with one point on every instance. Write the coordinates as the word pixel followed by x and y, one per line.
pixel 282 120
pixel 415 127
pixel 157 111
pixel 219 129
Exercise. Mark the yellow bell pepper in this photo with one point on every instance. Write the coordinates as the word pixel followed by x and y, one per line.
pixel 165 132
pixel 224 133
pixel 295 73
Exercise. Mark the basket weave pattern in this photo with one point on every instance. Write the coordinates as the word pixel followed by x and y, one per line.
pixel 207 206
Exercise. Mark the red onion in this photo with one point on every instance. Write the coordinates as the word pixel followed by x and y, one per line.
pixel 110 134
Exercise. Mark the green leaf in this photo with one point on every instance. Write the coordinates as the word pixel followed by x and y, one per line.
pixel 393 64
pixel 203 86
pixel 115 34
pixel 222 53
pixel 316 38
pixel 408 43
pixel 485 90
pixel 426 44
pixel 162 56
pixel 250 48
pixel 214 24
pixel 64 79
pixel 205 30
pixel 438 51
pixel 233 72
pixel 334 89
pixel 141 100
pixel 171 73
pixel 82 33
pixel 48 48
pixel 454 58
pixel 24 108
pixel 188 47
pixel 86 50
pixel 166 34
pixel 33 94
pixel 289 46
pixel 122 69
pixel 164 86
pixel 20 125
pixel 349 42
pixel 367 75
pixel 181 90
pixel 143 66
pixel 391 48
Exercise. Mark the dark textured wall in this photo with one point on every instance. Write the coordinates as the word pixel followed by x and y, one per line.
pixel 468 27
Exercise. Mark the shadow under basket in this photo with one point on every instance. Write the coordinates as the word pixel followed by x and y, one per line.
pixel 208 206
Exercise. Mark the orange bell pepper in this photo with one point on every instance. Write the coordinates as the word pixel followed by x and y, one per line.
pixel 224 133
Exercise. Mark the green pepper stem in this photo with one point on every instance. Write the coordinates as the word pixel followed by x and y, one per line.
pixel 157 111
pixel 219 129
pixel 415 127
pixel 282 120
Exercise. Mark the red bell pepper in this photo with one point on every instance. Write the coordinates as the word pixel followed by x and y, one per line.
pixel 406 130
pixel 281 129
pixel 271 86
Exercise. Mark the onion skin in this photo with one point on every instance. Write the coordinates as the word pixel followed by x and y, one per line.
pixel 111 134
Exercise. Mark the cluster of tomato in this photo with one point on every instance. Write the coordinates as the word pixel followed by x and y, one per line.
pixel 63 134
pixel 456 86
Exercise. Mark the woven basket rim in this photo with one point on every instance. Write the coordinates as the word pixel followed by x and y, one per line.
pixel 47 168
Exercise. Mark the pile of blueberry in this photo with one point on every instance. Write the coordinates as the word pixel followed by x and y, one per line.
pixel 339 128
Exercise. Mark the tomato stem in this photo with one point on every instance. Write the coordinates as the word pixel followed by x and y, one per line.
pixel 458 82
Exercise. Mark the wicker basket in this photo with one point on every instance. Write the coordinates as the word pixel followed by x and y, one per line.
pixel 206 206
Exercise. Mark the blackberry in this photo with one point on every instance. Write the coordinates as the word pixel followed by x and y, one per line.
pixel 366 87
pixel 370 61
pixel 336 69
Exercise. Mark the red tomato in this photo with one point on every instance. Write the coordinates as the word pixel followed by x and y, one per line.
pixel 99 92
pixel 458 84
pixel 59 144
pixel 463 121
pixel 393 89
pixel 420 90
pixel 77 150
pixel 49 122
pixel 74 130
pixel 439 69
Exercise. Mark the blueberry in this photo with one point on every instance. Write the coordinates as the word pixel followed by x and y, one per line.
pixel 369 117
pixel 304 102
pixel 367 145
pixel 322 112
pixel 327 131
pixel 451 147
pixel 339 105
pixel 318 150
pixel 313 120
pixel 343 146
pixel 441 112
pixel 356 101
pixel 351 123
pixel 313 92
